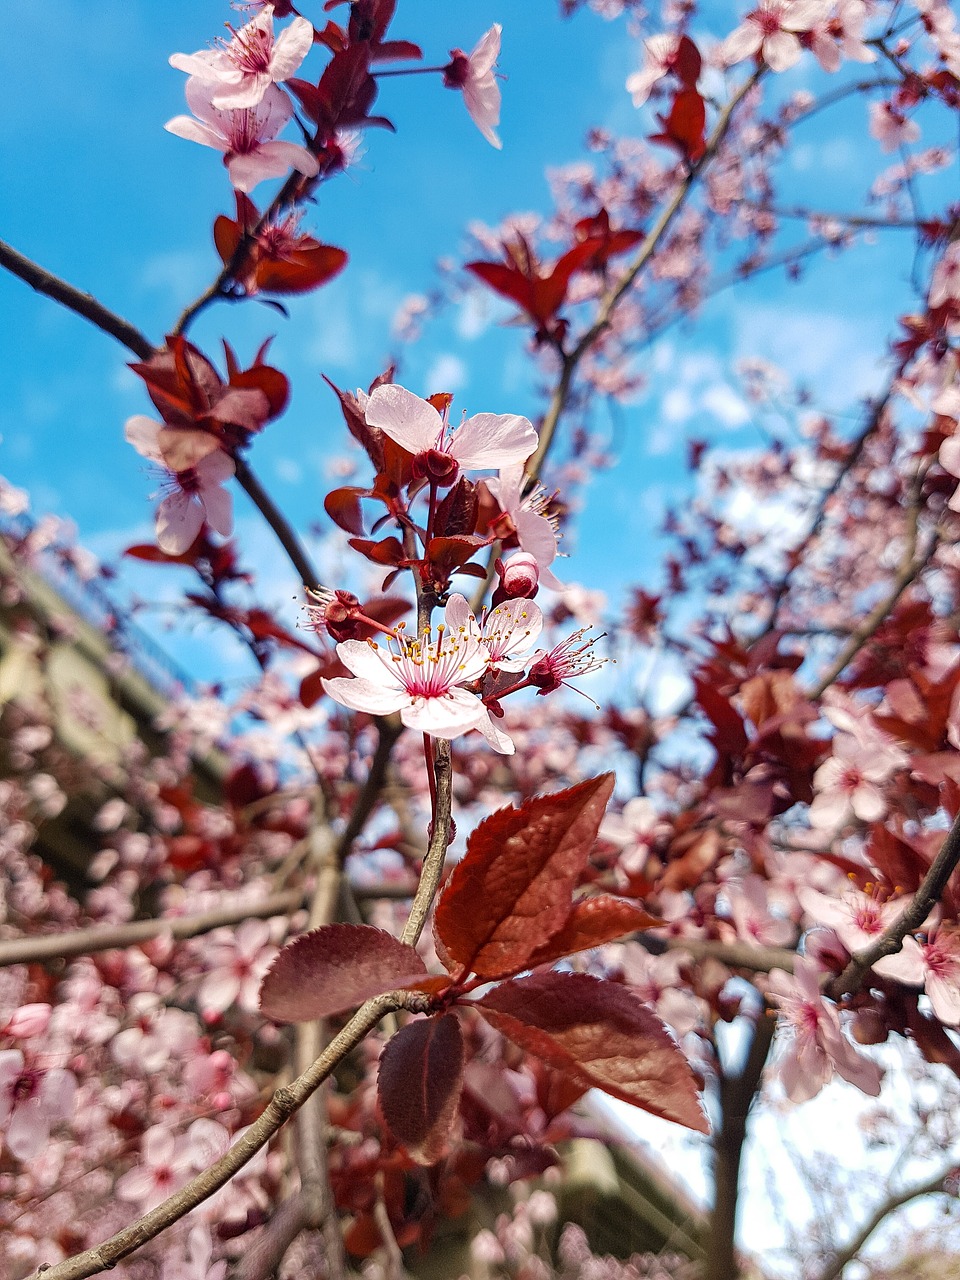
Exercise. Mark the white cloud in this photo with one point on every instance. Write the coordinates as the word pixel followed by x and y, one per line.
pixel 677 405
pixel 722 401
pixel 447 372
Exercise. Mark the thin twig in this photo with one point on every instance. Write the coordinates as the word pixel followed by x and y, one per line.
pixel 909 920
pixel 84 304
pixel 896 1201
pixel 613 297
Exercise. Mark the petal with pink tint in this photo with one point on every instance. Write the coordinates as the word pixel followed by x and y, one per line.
pixel 364 695
pixel 493 440
pixel 179 521
pixel 409 421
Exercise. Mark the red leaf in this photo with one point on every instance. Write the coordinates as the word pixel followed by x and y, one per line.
pixel 513 889
pixel 687 63
pixel 421 1076
pixel 343 508
pixel 684 128
pixel 592 922
pixel 303 269
pixel 602 1035
pixel 336 968
pixel 386 551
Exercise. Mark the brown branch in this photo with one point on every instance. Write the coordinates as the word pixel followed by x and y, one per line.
pixel 736 1095
pixel 84 942
pixel 612 299
pixel 84 304
pixel 255 491
pixel 893 1202
pixel 389 730
pixel 738 955
pixel 909 920
pixel 910 566
pixel 436 854
pixel 269 1246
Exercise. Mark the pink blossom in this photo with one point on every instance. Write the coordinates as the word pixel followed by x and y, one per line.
pixel 507 631
pixel 242 69
pixel 934 965
pixel 571 658
pixel 837 35
pixel 849 782
pixel 890 127
pixel 422 679
pixel 246 137
pixel 769 32
pixel 165 1165
pixel 195 1262
pixel 519 577
pixel 945 285
pixel 485 440
pixel 535 530
pixel 195 469
pixel 857 918
pixel 31 1103
pixel 750 908
pixel 27 1021
pixel 475 74
pixel 658 56
pixel 237 961
pixel 818 1048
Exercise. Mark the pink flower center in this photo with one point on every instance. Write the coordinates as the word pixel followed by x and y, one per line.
pixel 941 962
pixel 250 50
pixel 242 133
pixel 768 22
pixel 867 918
pixel 424 669
pixel 25 1086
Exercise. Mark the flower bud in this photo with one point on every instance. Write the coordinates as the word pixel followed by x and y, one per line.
pixel 519 578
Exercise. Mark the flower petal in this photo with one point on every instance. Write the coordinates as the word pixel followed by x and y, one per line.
pixel 409 421
pixel 364 695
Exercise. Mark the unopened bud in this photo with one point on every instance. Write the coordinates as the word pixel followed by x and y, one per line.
pixel 519 578
pixel 334 612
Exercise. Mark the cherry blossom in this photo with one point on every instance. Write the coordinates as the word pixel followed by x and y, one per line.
pixel 571 658
pixel 507 631
pixel 818 1048
pixel 195 471
pixel 166 1161
pixel 485 440
pixel 770 32
pixel 422 679
pixel 933 964
pixel 246 137
pixel 849 782
pixel 891 127
pixel 658 56
pixel 835 36
pixel 475 74
pixel 519 577
pixel 242 69
pixel 750 908
pixel 237 962
pixel 857 918
pixel 32 1101
pixel 535 530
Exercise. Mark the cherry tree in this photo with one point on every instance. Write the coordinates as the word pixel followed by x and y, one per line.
pixel 294 1026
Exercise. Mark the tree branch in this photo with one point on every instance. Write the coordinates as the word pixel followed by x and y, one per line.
pixel 910 919
pixel 612 298
pixel 84 304
pixel 893 1202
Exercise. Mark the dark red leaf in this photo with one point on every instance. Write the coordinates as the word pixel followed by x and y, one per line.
pixel 386 551
pixel 343 508
pixel 592 922
pixel 601 1034
pixel 513 889
pixel 335 968
pixel 421 1076
pixel 684 128
pixel 687 63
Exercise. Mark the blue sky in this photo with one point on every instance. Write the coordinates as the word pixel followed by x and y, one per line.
pixel 95 189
